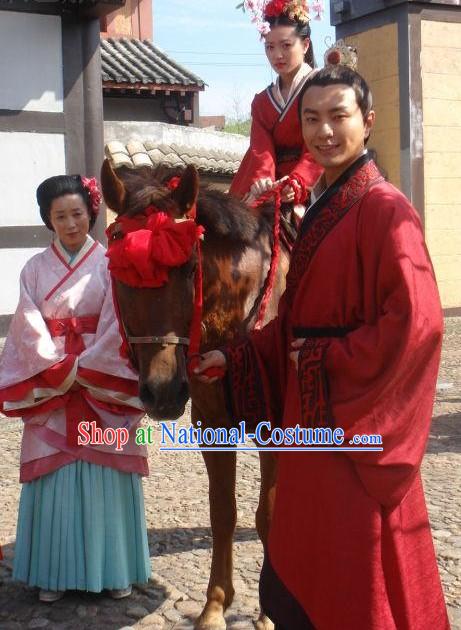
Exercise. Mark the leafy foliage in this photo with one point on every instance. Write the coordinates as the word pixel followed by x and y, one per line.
pixel 241 127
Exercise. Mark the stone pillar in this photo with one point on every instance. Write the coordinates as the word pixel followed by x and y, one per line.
pixel 409 54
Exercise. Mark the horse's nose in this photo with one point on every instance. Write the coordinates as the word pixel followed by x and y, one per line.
pixel 164 401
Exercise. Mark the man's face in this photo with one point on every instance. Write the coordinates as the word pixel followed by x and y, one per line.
pixel 334 130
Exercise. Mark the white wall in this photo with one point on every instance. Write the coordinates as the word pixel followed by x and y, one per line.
pixel 31 80
pixel 30 62
pixel 26 159
pixel 11 262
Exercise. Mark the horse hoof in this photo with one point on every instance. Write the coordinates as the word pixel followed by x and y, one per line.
pixel 264 623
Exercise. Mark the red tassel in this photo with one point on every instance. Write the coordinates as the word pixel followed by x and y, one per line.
pixel 193 355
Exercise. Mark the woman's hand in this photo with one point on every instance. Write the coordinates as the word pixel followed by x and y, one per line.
pixel 214 358
pixel 264 185
pixel 258 188
pixel 261 186
pixel 287 193
pixel 294 355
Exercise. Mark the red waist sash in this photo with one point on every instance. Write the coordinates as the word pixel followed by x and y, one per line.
pixel 72 329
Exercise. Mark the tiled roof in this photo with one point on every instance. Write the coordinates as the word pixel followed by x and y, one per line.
pixel 135 61
pixel 207 161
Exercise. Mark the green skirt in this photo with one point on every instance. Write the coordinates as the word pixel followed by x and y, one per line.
pixel 82 527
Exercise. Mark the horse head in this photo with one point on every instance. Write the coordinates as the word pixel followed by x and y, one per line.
pixel 152 254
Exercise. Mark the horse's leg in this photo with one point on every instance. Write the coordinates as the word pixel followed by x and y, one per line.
pixel 221 469
pixel 267 466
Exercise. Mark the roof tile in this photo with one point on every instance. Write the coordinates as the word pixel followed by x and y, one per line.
pixel 136 153
pixel 128 60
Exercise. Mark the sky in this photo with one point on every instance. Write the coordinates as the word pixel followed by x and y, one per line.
pixel 218 43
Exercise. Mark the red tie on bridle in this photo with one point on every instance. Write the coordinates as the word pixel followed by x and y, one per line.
pixel 195 333
pixel 299 189
pixel 193 355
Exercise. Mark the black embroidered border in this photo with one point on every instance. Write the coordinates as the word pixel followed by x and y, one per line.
pixel 323 218
pixel 313 385
pixel 244 386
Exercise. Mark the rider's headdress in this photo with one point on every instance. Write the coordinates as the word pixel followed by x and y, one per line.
pixel 341 54
pixel 297 10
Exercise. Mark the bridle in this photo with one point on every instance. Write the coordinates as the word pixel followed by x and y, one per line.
pixel 165 341
pixel 193 341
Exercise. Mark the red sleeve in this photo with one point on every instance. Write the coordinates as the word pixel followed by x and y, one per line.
pixel 259 160
pixel 255 376
pixel 52 377
pixel 382 376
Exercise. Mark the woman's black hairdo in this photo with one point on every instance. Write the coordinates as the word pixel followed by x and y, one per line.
pixel 57 186
pixel 340 75
pixel 303 30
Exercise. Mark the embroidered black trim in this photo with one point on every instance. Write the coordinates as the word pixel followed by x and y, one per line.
pixel 244 389
pixel 313 384
pixel 326 213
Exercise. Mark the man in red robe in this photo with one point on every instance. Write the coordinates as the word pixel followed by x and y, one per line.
pixel 356 345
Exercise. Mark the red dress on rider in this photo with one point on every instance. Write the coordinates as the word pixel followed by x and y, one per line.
pixel 276 143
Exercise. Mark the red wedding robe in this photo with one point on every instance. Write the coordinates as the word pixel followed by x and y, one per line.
pixel 276 145
pixel 350 545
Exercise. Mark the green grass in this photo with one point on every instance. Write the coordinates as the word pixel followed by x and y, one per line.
pixel 242 127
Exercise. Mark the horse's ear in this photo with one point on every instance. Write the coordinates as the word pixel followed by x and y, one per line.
pixel 186 193
pixel 112 188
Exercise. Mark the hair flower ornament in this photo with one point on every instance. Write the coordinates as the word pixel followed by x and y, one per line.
pixel 342 54
pixel 91 185
pixel 263 10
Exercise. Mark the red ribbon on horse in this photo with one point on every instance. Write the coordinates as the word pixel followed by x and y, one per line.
pixel 149 246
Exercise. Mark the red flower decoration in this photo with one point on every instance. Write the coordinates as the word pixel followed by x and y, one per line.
pixel 274 8
pixel 173 183
pixel 91 185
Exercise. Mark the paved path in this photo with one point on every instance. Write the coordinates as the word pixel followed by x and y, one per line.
pixel 180 539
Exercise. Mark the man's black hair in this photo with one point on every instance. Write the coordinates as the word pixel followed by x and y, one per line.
pixel 340 75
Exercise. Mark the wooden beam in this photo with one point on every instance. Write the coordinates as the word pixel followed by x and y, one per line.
pixel 39 122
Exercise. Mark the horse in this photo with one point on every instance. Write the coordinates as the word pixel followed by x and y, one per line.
pixel 236 253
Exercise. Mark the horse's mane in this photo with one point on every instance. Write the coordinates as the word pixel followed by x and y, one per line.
pixel 221 214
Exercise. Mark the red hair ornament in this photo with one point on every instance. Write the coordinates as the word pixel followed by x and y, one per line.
pixel 342 54
pixel 91 186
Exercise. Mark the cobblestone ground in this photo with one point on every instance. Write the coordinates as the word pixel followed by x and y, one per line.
pixel 180 539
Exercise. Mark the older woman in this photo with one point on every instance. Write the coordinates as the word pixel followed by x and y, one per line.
pixel 81 522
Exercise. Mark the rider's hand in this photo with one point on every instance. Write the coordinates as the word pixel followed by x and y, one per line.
pixel 214 358
pixel 261 186
pixel 287 194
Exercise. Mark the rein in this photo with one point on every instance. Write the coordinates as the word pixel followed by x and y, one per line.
pixel 163 341
pixel 300 191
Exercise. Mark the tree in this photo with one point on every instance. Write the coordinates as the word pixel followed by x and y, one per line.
pixel 240 121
